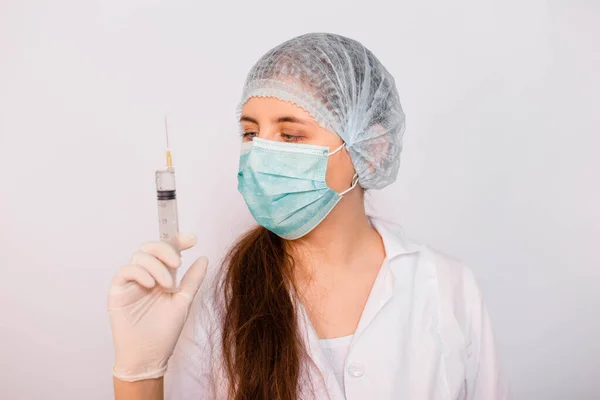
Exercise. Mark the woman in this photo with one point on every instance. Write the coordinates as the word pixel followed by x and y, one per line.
pixel 320 300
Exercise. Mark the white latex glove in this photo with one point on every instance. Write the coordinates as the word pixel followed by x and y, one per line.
pixel 146 320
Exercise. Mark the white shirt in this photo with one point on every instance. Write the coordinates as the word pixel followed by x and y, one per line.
pixel 336 350
pixel 424 334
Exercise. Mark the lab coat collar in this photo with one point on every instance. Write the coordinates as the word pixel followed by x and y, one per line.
pixel 394 240
pixel 390 275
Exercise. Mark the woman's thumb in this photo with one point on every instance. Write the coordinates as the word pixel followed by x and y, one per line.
pixel 193 278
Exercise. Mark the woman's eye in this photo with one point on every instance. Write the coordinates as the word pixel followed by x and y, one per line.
pixel 249 135
pixel 291 138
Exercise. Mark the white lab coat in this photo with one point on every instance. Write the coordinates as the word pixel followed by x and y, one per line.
pixel 424 334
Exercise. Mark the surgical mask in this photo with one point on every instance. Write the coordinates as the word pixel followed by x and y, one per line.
pixel 283 185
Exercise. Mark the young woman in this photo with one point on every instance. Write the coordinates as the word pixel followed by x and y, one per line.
pixel 319 300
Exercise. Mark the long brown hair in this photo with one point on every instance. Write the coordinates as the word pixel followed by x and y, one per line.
pixel 263 352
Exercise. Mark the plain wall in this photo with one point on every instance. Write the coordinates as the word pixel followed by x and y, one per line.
pixel 500 165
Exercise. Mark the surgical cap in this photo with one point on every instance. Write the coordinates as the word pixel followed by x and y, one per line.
pixel 346 90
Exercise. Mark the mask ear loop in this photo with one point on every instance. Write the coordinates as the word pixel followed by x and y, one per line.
pixel 354 183
pixel 354 178
pixel 336 150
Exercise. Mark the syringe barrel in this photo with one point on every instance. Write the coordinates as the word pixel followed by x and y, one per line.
pixel 168 221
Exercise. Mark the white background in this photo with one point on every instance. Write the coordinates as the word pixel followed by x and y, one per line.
pixel 500 166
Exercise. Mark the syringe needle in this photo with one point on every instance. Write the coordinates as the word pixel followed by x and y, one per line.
pixel 169 159
pixel 167 131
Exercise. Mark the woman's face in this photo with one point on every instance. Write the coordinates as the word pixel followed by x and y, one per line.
pixel 273 119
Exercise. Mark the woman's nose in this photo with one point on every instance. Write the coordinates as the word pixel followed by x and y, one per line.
pixel 269 134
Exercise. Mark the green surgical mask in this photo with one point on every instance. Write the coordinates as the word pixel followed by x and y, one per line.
pixel 283 185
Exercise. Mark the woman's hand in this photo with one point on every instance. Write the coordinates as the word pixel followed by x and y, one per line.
pixel 146 320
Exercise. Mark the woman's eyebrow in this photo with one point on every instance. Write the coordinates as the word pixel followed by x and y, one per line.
pixel 291 119
pixel 287 118
pixel 248 119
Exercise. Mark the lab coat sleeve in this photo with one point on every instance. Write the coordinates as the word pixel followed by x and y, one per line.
pixel 189 371
pixel 484 378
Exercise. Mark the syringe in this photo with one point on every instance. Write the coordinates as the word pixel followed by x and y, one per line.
pixel 168 222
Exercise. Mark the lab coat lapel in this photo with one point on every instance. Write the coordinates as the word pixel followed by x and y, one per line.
pixel 395 245
pixel 381 292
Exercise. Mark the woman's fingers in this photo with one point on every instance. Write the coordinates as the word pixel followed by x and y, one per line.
pixel 133 273
pixel 164 252
pixel 193 278
pixel 154 267
pixel 167 253
pixel 151 265
pixel 186 240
